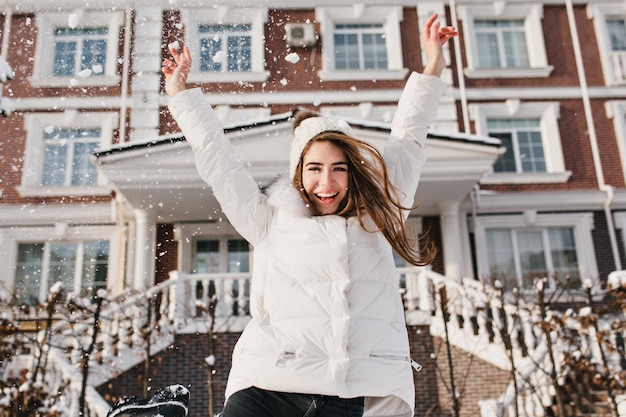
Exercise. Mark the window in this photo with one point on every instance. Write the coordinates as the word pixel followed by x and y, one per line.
pixel 360 47
pixel 82 268
pixel 361 43
pixel 225 48
pixel 522 140
pixel 517 249
pixel 79 50
pixel 229 44
pixel 501 44
pixel 66 157
pixel 58 154
pixel 230 255
pixel 529 133
pixel 504 40
pixel 81 54
pixel 610 26
pixel 518 257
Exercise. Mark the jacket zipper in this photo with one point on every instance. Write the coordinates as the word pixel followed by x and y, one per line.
pixel 393 357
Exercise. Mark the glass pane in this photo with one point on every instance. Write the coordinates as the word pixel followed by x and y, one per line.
pixel 532 256
pixel 564 259
pixel 346 52
pixel 515 49
pixel 95 267
pixel 28 272
pixel 62 265
pixel 488 56
pixel 506 161
pixel 54 164
pixel 210 58
pixel 500 255
pixel 374 51
pixel 617 33
pixel 238 256
pixel 207 257
pixel 239 53
pixel 94 56
pixel 64 59
pixel 531 152
pixel 83 170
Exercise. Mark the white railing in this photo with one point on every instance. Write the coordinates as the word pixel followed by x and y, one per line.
pixel 470 313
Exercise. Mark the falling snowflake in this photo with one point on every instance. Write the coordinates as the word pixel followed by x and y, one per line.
pixel 292 58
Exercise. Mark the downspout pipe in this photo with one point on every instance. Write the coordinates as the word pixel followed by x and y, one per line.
pixel 6 32
pixel 459 68
pixel 595 151
pixel 125 75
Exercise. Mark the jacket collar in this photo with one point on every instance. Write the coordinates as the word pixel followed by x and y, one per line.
pixel 284 196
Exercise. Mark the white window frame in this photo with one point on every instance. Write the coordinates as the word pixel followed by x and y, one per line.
pixel 600 13
pixel 187 234
pixel 256 17
pixel 531 14
pixel 616 110
pixel 619 219
pixel 44 54
pixel 389 16
pixel 35 124
pixel 581 223
pixel 548 114
pixel 62 232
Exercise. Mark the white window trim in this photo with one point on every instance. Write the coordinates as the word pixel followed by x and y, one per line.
pixel 599 14
pixel 389 16
pixel 531 14
pixel 191 18
pixel 35 125
pixel 548 114
pixel 61 232
pixel 619 218
pixel 616 110
pixel 44 55
pixel 581 223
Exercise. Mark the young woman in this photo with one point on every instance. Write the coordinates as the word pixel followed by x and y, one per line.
pixel 327 335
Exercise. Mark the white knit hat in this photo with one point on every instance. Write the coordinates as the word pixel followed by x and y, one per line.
pixel 307 130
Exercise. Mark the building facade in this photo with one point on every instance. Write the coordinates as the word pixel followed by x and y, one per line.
pixel 526 175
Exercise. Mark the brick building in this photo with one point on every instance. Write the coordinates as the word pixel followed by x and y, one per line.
pixel 98 188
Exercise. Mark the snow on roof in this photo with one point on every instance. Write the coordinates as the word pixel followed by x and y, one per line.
pixel 286 117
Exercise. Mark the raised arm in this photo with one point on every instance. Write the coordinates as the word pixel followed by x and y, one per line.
pixel 405 153
pixel 237 192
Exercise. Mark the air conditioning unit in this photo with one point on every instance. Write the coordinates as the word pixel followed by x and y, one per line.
pixel 300 34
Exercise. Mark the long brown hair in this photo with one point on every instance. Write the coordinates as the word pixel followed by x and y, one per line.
pixel 369 192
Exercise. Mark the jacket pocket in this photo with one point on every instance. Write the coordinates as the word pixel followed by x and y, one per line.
pixel 395 356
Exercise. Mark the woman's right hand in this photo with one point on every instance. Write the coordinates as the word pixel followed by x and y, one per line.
pixel 176 71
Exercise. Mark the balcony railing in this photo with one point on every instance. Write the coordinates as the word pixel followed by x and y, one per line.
pixel 472 315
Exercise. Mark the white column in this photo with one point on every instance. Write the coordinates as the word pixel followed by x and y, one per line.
pixel 451 239
pixel 145 241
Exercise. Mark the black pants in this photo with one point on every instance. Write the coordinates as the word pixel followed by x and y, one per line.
pixel 255 402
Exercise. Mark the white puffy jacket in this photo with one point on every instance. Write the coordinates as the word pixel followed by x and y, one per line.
pixel 327 316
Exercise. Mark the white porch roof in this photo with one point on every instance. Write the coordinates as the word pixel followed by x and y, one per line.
pixel 160 176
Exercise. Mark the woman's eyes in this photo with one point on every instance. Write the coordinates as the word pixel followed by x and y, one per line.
pixel 319 169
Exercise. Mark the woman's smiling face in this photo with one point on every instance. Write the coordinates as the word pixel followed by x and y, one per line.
pixel 325 176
